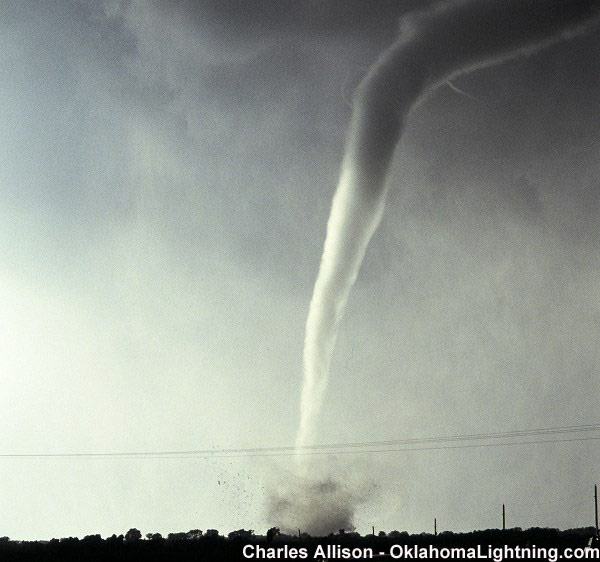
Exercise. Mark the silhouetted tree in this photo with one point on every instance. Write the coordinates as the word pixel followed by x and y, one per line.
pixel 115 540
pixel 92 539
pixel 176 537
pixel 133 535
pixel 184 549
pixel 194 534
pixel 71 542
pixel 242 533
pixel 398 534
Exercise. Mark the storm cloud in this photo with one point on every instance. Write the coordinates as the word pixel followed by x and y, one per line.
pixel 165 181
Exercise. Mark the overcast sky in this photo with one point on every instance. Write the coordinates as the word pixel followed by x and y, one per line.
pixel 166 172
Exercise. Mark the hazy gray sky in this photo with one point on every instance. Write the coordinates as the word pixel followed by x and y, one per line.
pixel 166 172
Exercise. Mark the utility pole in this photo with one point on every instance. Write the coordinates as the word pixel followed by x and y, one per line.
pixel 373 530
pixel 503 518
pixel 596 506
pixel 299 536
pixel 435 526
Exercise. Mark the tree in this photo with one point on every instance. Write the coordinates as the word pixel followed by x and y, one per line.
pixel 242 533
pixel 176 537
pixel 194 534
pixel 398 534
pixel 272 533
pixel 133 535
pixel 115 540
pixel 92 539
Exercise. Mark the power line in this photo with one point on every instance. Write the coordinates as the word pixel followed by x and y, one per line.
pixel 347 448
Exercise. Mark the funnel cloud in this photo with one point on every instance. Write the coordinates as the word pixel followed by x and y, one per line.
pixel 433 46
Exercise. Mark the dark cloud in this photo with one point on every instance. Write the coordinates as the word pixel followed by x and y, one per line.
pixel 165 178
pixel 327 18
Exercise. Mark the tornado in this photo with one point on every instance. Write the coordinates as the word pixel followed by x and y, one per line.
pixel 432 46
